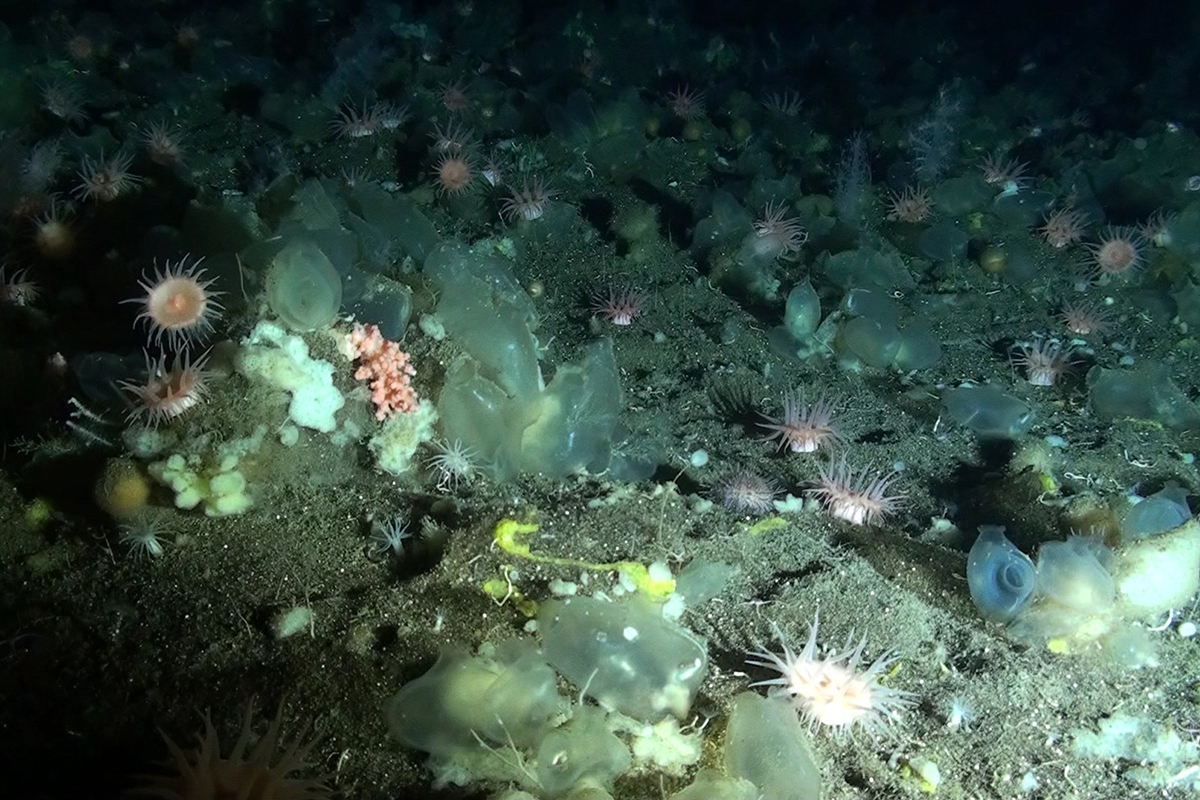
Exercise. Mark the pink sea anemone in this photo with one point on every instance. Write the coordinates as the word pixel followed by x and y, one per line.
pixel 620 306
pixel 178 303
pixel 167 393
pixel 1119 251
pixel 912 205
pixel 454 172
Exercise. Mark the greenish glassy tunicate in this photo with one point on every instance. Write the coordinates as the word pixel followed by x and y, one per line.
pixel 303 288
pixel 987 411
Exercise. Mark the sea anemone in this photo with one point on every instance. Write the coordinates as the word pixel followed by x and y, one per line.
pixel 776 235
pixel 686 103
pixel 357 122
pixel 620 306
pixel 178 302
pixel 803 428
pixel 831 690
pixel 912 205
pixel 168 393
pixel 259 773
pixel 1119 251
pixel 388 536
pixel 106 179
pixel 144 536
pixel 1044 361
pixel 451 138
pixel 18 289
pixel 163 143
pixel 527 203
pixel 859 498
pixel 960 714
pixel 453 463
pixel 454 172
pixel 52 233
pixel 1085 319
pixel 1064 227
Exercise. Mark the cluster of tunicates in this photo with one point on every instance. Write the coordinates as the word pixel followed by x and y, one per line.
pixel 1143 393
pixel 871 336
pixel 802 336
pixel 494 400
pixel 1081 591
pixel 310 263
pixel 867 268
pixel 499 715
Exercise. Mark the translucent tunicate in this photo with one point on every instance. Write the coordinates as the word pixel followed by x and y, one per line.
pixel 1022 209
pixel 509 699
pixel 1162 511
pixel 867 267
pixel 303 288
pixel 987 411
pixel 1000 577
pixel 1143 393
pixel 583 749
pixel 802 314
pixel 945 241
pixel 871 342
pixel 872 303
pixel 1021 265
pixel 956 197
pixel 626 656
pixel 765 743
pixel 919 348
pixel 1075 574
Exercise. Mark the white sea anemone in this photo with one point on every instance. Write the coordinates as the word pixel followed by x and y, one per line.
pixel 831 690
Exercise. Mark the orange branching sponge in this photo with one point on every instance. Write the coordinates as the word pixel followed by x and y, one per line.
pixel 386 366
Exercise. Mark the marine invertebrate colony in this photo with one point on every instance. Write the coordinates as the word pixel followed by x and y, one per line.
pixel 386 366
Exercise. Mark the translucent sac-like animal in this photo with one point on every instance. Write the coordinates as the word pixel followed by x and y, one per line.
pixel 1075 574
pixel 1075 597
pixel 1000 576
pixel 1160 512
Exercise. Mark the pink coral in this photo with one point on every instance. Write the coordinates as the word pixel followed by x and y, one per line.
pixel 386 366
